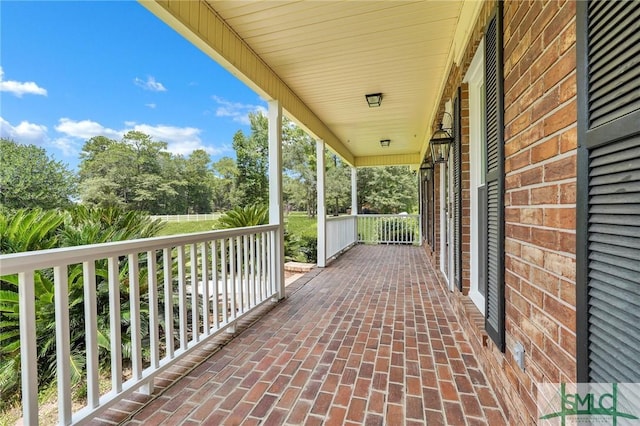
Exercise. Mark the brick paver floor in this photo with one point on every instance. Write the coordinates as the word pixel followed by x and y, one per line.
pixel 371 339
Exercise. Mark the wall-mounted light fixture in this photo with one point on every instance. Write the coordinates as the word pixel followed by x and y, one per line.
pixel 440 144
pixel 374 99
pixel 426 168
pixel 385 143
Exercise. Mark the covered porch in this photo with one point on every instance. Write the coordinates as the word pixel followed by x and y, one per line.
pixel 370 339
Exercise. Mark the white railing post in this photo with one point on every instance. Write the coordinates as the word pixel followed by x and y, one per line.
pixel 275 193
pixel 322 211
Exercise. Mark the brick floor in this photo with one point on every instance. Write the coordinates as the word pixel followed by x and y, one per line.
pixel 371 339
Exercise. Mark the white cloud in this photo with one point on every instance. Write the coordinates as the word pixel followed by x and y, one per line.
pixel 19 88
pixel 150 84
pixel 70 147
pixel 152 106
pixel 238 111
pixel 85 129
pixel 180 140
pixel 25 132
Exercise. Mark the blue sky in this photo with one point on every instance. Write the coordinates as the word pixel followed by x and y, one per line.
pixel 71 70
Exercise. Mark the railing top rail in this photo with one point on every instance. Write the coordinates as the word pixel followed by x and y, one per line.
pixel 343 217
pixel 33 260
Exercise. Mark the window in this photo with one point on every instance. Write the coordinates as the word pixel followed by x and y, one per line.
pixel 477 158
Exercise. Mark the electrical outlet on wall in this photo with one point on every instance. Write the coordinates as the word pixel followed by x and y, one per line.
pixel 518 355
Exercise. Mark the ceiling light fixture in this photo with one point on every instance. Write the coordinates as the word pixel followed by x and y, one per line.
pixel 385 143
pixel 374 99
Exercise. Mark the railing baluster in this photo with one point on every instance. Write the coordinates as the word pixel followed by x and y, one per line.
pixel 91 332
pixel 168 301
pixel 259 292
pixel 225 285
pixel 214 277
pixel 238 282
pixel 63 351
pixel 182 298
pixel 245 267
pixel 205 290
pixel 134 306
pixel 252 265
pixel 272 263
pixel 28 347
pixel 195 283
pixel 115 324
pixel 232 284
pixel 154 336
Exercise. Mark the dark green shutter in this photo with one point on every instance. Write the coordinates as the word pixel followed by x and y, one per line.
pixel 608 234
pixel 457 192
pixel 431 211
pixel 494 100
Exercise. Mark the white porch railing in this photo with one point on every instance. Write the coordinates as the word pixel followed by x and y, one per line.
pixel 183 290
pixel 389 229
pixel 342 232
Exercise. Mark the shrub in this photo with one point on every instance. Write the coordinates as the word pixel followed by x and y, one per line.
pixel 309 248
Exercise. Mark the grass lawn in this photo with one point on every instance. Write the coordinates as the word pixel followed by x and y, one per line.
pixel 300 225
pixel 175 228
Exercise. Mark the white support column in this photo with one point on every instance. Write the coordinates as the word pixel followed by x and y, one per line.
pixel 322 211
pixel 275 193
pixel 354 203
pixel 354 191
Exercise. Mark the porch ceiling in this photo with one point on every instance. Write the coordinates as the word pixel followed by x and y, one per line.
pixel 330 54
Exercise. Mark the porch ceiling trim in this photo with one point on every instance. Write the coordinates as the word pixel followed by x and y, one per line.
pixel 388 160
pixel 199 24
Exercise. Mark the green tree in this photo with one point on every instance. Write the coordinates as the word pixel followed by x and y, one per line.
pixel 137 173
pixel 30 179
pixel 338 184
pixel 252 161
pixel 391 189
pixel 299 162
pixel 223 184
pixel 199 182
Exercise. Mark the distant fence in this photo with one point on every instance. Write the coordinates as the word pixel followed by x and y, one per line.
pixel 186 217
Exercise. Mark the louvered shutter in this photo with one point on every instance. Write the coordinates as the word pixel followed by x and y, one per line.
pixel 609 192
pixel 430 212
pixel 494 300
pixel 457 194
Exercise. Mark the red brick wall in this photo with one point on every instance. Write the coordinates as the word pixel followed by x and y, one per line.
pixel 540 184
pixel 540 166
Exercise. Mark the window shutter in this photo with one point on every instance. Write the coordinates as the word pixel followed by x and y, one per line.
pixel 457 192
pixel 430 212
pixel 608 249
pixel 494 301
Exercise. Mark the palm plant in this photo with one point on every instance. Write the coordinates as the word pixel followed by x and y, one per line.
pixel 36 230
pixel 241 217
